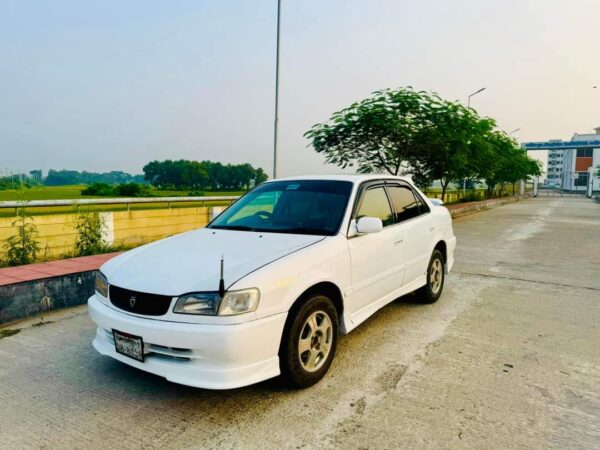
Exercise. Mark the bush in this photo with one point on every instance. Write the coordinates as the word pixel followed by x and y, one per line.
pixel 22 248
pixel 133 190
pixel 122 190
pixel 90 227
pixel 102 189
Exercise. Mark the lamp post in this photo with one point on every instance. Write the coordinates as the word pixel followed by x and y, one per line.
pixel 474 93
pixel 468 106
pixel 276 121
pixel 514 131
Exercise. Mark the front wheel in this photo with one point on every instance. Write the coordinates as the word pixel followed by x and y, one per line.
pixel 309 342
pixel 436 270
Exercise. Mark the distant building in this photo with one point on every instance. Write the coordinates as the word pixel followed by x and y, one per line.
pixel 36 176
pixel 569 162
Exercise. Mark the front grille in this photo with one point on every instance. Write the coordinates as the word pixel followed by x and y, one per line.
pixel 139 302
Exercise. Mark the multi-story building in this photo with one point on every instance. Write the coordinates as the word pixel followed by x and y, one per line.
pixel 569 162
pixel 555 167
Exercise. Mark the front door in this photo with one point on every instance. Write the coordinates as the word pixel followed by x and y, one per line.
pixel 376 257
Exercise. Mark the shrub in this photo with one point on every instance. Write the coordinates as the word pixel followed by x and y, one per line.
pixel 89 234
pixel 133 190
pixel 22 248
pixel 102 189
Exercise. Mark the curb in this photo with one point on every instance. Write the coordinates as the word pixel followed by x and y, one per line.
pixel 29 298
pixel 464 209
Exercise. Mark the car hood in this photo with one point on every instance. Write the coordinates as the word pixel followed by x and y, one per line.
pixel 190 262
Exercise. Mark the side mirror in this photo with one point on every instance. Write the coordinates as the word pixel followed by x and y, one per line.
pixel 436 201
pixel 367 225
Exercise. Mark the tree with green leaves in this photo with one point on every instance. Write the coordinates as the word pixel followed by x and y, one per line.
pixel 508 163
pixel 378 134
pixel 454 144
pixel 419 133
pixel 202 175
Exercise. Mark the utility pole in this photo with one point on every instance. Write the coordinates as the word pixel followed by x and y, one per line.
pixel 276 122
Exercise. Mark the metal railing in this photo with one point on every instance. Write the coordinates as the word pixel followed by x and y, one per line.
pixel 114 201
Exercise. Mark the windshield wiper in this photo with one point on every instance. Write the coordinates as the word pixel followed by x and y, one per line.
pixel 233 227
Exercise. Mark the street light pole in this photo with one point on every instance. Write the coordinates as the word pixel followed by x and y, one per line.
pixel 468 106
pixel 514 131
pixel 276 122
pixel 474 93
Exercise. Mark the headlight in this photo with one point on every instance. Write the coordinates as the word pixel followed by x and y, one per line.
pixel 204 303
pixel 210 304
pixel 239 302
pixel 101 284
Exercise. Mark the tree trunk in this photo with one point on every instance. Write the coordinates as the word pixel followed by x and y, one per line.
pixel 444 187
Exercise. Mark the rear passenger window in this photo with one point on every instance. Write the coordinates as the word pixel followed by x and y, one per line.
pixel 375 204
pixel 423 208
pixel 405 203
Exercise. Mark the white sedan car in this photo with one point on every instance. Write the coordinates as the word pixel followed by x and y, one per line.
pixel 266 287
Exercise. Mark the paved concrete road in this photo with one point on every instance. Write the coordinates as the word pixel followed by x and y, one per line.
pixel 508 358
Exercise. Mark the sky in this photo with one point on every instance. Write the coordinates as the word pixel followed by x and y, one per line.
pixel 109 85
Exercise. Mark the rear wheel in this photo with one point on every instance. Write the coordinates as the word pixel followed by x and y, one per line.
pixel 309 342
pixel 436 271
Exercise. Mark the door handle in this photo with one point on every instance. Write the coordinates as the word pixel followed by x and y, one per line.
pixel 398 242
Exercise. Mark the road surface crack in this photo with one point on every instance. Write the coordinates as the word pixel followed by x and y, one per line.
pixel 504 277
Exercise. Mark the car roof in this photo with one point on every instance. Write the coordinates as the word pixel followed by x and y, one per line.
pixel 354 178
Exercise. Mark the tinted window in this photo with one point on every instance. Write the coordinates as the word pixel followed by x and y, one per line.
pixel 375 204
pixel 585 152
pixel 582 179
pixel 301 207
pixel 423 208
pixel 405 203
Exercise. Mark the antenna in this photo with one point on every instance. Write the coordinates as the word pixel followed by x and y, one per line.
pixel 221 280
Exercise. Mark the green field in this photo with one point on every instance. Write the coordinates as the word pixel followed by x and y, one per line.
pixel 74 192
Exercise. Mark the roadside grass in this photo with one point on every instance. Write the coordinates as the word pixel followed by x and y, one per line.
pixel 8 332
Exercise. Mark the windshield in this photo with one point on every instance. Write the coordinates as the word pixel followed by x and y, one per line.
pixel 299 206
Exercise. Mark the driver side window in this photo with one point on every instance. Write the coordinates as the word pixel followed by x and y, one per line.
pixel 374 203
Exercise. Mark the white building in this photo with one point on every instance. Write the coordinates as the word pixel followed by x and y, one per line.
pixel 572 164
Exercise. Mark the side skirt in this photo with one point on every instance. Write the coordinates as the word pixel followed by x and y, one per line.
pixel 352 321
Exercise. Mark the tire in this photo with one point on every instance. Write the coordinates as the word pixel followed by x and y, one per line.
pixel 436 274
pixel 316 324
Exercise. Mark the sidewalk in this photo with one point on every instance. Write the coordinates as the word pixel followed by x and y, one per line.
pixel 31 272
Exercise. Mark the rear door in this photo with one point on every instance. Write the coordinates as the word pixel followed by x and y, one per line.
pixel 412 215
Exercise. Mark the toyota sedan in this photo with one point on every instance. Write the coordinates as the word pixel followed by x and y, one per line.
pixel 266 288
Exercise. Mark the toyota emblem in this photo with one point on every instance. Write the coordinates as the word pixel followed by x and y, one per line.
pixel 132 300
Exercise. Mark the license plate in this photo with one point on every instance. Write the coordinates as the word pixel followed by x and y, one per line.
pixel 129 345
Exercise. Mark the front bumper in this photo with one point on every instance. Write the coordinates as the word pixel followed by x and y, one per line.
pixel 199 355
pixel 451 245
